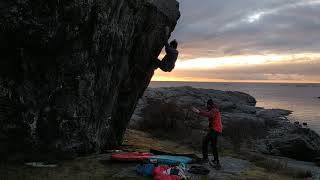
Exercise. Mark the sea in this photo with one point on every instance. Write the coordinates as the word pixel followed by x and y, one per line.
pixel 302 99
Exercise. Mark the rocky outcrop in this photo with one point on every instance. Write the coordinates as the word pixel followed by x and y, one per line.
pixel 71 72
pixel 229 102
pixel 269 130
pixel 292 141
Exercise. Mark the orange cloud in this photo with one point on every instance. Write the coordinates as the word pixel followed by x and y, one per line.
pixel 251 68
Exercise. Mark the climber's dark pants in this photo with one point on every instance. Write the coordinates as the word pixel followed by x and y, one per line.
pixel 163 65
pixel 211 137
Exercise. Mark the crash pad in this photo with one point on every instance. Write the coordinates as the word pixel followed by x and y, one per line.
pixel 194 157
pixel 131 156
pixel 170 160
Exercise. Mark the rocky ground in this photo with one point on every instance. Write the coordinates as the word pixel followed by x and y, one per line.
pixel 98 167
pixel 257 143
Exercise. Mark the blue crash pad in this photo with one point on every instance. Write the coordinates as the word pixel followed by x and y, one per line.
pixel 171 160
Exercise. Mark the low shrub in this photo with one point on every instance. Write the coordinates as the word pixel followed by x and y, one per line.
pixel 271 123
pixel 165 120
pixel 239 132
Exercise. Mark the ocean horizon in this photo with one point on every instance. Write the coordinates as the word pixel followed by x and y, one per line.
pixel 301 98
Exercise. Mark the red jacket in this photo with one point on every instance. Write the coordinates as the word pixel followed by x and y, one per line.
pixel 158 174
pixel 214 118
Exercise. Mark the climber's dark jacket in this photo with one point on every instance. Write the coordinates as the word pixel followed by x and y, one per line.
pixel 168 62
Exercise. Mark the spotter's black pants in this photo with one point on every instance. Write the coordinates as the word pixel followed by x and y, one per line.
pixel 212 138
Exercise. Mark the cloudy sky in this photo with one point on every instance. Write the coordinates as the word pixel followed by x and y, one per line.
pixel 247 40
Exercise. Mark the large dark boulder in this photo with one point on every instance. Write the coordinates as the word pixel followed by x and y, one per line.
pixel 71 72
pixel 293 142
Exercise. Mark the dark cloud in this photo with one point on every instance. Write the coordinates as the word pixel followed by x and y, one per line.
pixel 217 28
pixel 214 28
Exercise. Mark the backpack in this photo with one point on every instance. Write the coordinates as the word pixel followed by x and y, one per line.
pixel 145 169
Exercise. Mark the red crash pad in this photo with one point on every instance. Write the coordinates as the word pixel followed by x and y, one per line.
pixel 131 156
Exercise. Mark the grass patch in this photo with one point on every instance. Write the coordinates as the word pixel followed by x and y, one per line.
pixel 281 167
pixel 270 168
pixel 140 141
pixel 82 168
pixel 261 174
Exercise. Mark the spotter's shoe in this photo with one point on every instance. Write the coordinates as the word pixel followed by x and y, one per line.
pixel 215 165
pixel 204 161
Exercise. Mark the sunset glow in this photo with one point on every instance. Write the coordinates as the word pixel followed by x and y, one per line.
pixel 185 69
pixel 159 76
pixel 229 61
pixel 247 41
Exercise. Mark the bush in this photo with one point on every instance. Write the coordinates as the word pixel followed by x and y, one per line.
pixel 165 120
pixel 168 121
pixel 240 131
pixel 271 123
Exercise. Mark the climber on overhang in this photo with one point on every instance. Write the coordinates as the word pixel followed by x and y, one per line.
pixel 168 61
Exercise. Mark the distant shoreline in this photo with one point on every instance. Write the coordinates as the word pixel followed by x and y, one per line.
pixel 308 83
